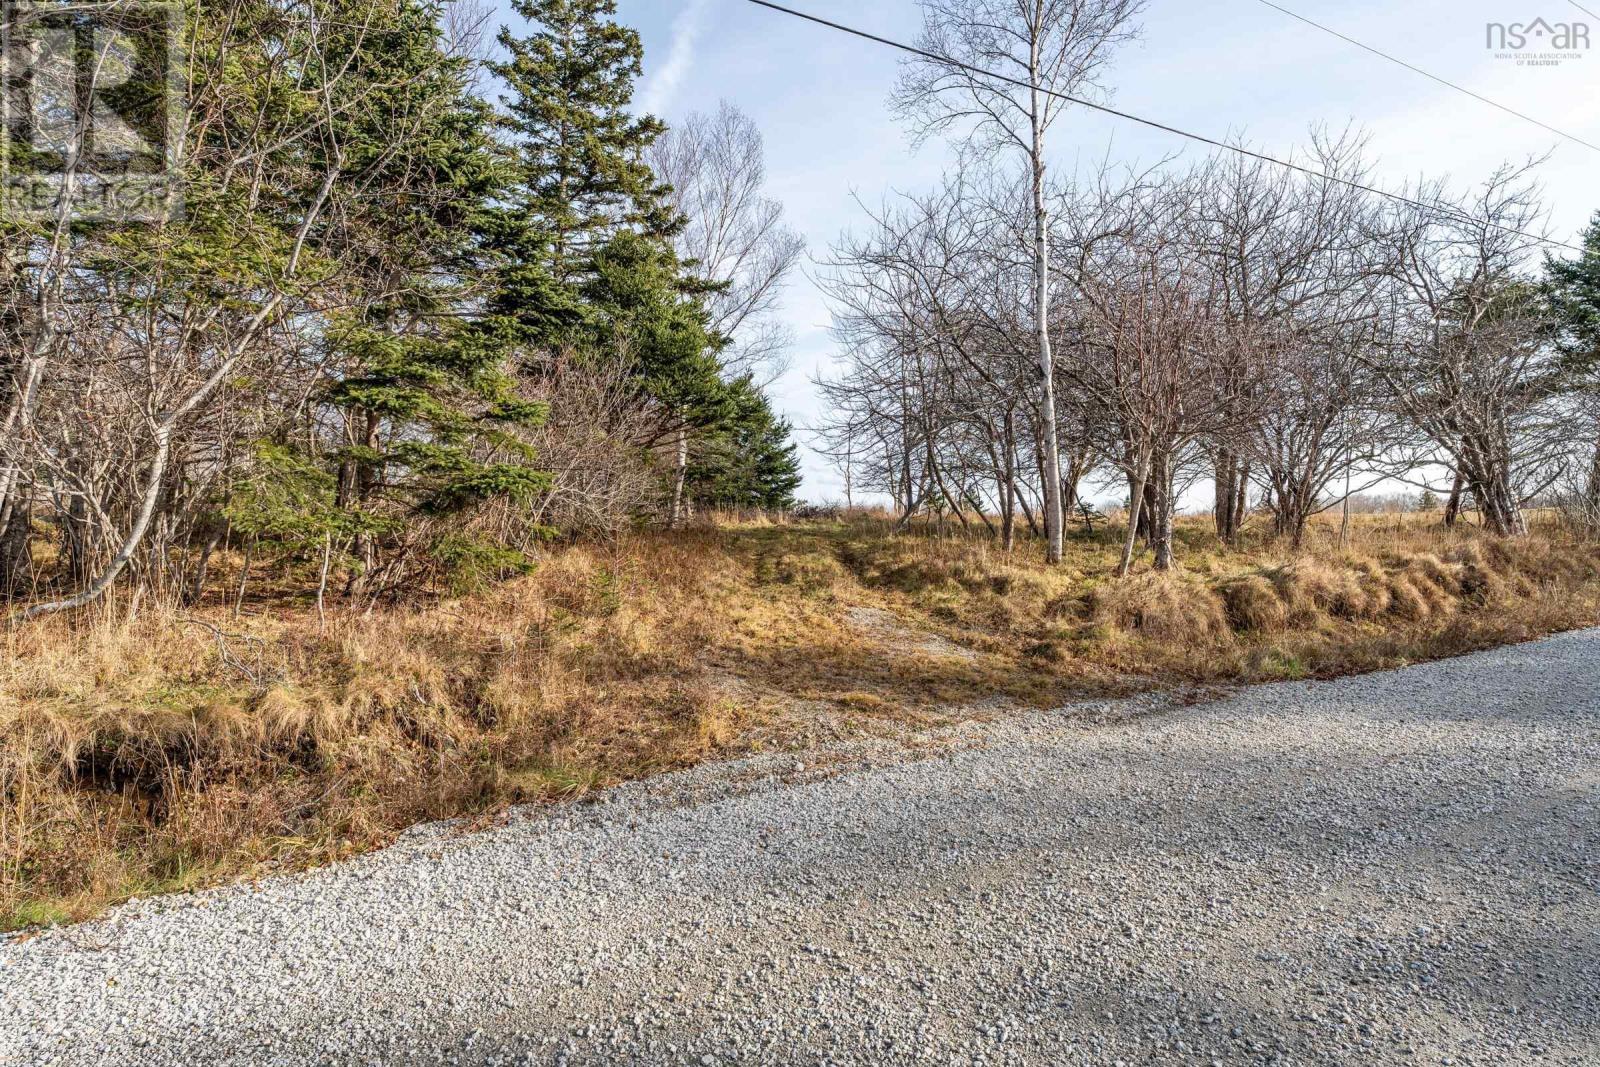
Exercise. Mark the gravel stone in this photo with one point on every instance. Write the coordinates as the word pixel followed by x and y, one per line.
pixel 1400 868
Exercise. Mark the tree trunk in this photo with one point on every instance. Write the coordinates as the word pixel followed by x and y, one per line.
pixel 1291 509
pixel 975 502
pixel 1226 490
pixel 1452 507
pixel 1241 500
pixel 1502 512
pixel 932 459
pixel 1301 514
pixel 1041 266
pixel 913 502
pixel 1159 490
pixel 1008 483
pixel 322 584
pixel 16 562
pixel 912 493
pixel 370 477
pixel 1591 491
pixel 1147 509
pixel 1485 465
pixel 897 491
pixel 1027 513
pixel 1232 495
pixel 1077 469
pixel 1135 509
pixel 680 474
pixel 78 533
pixel 197 581
pixel 849 499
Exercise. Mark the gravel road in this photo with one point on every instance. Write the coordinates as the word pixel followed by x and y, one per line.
pixel 1398 868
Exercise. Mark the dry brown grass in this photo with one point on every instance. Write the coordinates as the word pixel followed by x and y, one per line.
pixel 136 757
pixel 158 752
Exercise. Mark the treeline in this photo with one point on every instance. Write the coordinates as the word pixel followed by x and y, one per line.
pixel 420 311
pixel 1286 334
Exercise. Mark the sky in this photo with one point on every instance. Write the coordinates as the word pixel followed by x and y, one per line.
pixel 1226 68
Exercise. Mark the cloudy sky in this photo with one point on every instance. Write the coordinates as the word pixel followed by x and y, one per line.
pixel 1224 68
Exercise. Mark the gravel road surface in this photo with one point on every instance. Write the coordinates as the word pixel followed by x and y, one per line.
pixel 1398 868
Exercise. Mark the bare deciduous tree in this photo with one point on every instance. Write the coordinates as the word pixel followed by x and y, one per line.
pixel 1465 354
pixel 1284 331
pixel 1041 48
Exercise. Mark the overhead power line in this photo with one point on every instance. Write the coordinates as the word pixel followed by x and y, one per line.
pixel 1153 124
pixel 1432 77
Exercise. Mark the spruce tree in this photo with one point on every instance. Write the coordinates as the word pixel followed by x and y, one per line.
pixel 429 387
pixel 1573 288
pixel 576 178
pixel 641 314
pixel 579 152
pixel 424 407
pixel 748 460
pixel 584 228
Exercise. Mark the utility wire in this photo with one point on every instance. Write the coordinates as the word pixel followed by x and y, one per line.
pixel 1309 171
pixel 1433 77
pixel 1585 10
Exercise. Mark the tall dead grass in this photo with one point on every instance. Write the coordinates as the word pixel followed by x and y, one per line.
pixel 155 752
pixel 162 751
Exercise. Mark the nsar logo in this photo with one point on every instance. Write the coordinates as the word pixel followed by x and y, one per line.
pixel 1539 43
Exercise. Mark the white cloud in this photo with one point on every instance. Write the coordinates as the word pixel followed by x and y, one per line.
pixel 662 86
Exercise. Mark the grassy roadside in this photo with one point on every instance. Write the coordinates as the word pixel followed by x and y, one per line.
pixel 165 752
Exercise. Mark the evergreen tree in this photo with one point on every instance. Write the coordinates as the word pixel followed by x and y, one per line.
pixel 579 152
pixel 427 397
pixel 575 180
pixel 422 415
pixel 640 313
pixel 584 228
pixel 1573 288
pixel 748 460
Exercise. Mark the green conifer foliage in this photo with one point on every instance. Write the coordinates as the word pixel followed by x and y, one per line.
pixel 1573 287
pixel 748 460
pixel 578 149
